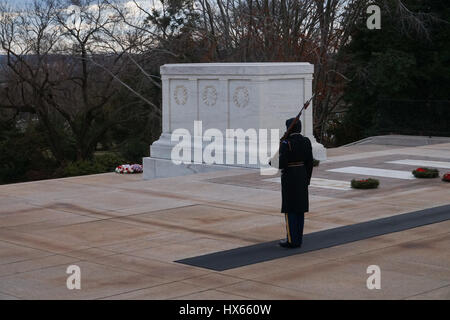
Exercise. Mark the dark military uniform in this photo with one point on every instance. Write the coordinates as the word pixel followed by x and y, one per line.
pixel 296 164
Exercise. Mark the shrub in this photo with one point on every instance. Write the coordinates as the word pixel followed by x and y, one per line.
pixel 316 162
pixel 23 154
pixel 425 173
pixel 133 150
pixel 365 183
pixel 109 161
pixel 100 164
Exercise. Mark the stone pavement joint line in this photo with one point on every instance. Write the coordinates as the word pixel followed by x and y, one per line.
pixel 243 256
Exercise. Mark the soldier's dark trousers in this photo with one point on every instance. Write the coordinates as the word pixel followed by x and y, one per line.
pixel 294 227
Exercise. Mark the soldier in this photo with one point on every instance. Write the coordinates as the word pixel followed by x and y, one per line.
pixel 296 164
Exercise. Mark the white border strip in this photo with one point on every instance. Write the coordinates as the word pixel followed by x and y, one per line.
pixel 322 183
pixel 422 163
pixel 367 172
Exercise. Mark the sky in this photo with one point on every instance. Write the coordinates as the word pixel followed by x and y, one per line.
pixel 134 15
pixel 21 3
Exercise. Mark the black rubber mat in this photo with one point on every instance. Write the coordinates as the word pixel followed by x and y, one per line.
pixel 243 256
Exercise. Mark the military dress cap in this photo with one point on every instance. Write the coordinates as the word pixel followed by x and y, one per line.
pixel 297 127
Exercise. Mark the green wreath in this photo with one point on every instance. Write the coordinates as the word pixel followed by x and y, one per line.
pixel 365 184
pixel 425 173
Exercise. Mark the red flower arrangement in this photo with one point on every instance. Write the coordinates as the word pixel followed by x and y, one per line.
pixel 425 173
pixel 446 177
pixel 127 168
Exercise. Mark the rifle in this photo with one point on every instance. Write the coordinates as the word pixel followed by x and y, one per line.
pixel 289 130
pixel 297 118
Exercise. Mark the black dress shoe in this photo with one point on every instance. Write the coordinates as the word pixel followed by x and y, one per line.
pixel 287 244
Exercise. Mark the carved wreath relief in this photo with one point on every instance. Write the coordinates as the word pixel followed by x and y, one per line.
pixel 241 97
pixel 180 94
pixel 209 95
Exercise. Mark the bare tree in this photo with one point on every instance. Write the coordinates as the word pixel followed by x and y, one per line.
pixel 67 63
pixel 63 66
pixel 252 30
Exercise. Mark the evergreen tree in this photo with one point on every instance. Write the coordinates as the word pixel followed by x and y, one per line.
pixel 396 68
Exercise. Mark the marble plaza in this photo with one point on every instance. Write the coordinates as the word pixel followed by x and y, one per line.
pixel 125 233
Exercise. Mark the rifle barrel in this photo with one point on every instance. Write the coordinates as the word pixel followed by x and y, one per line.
pixel 297 118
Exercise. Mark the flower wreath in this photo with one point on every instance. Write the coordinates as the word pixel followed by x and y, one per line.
pixel 369 183
pixel 129 168
pixel 425 173
pixel 446 177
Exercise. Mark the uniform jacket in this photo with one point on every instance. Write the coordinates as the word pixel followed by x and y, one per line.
pixel 295 180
